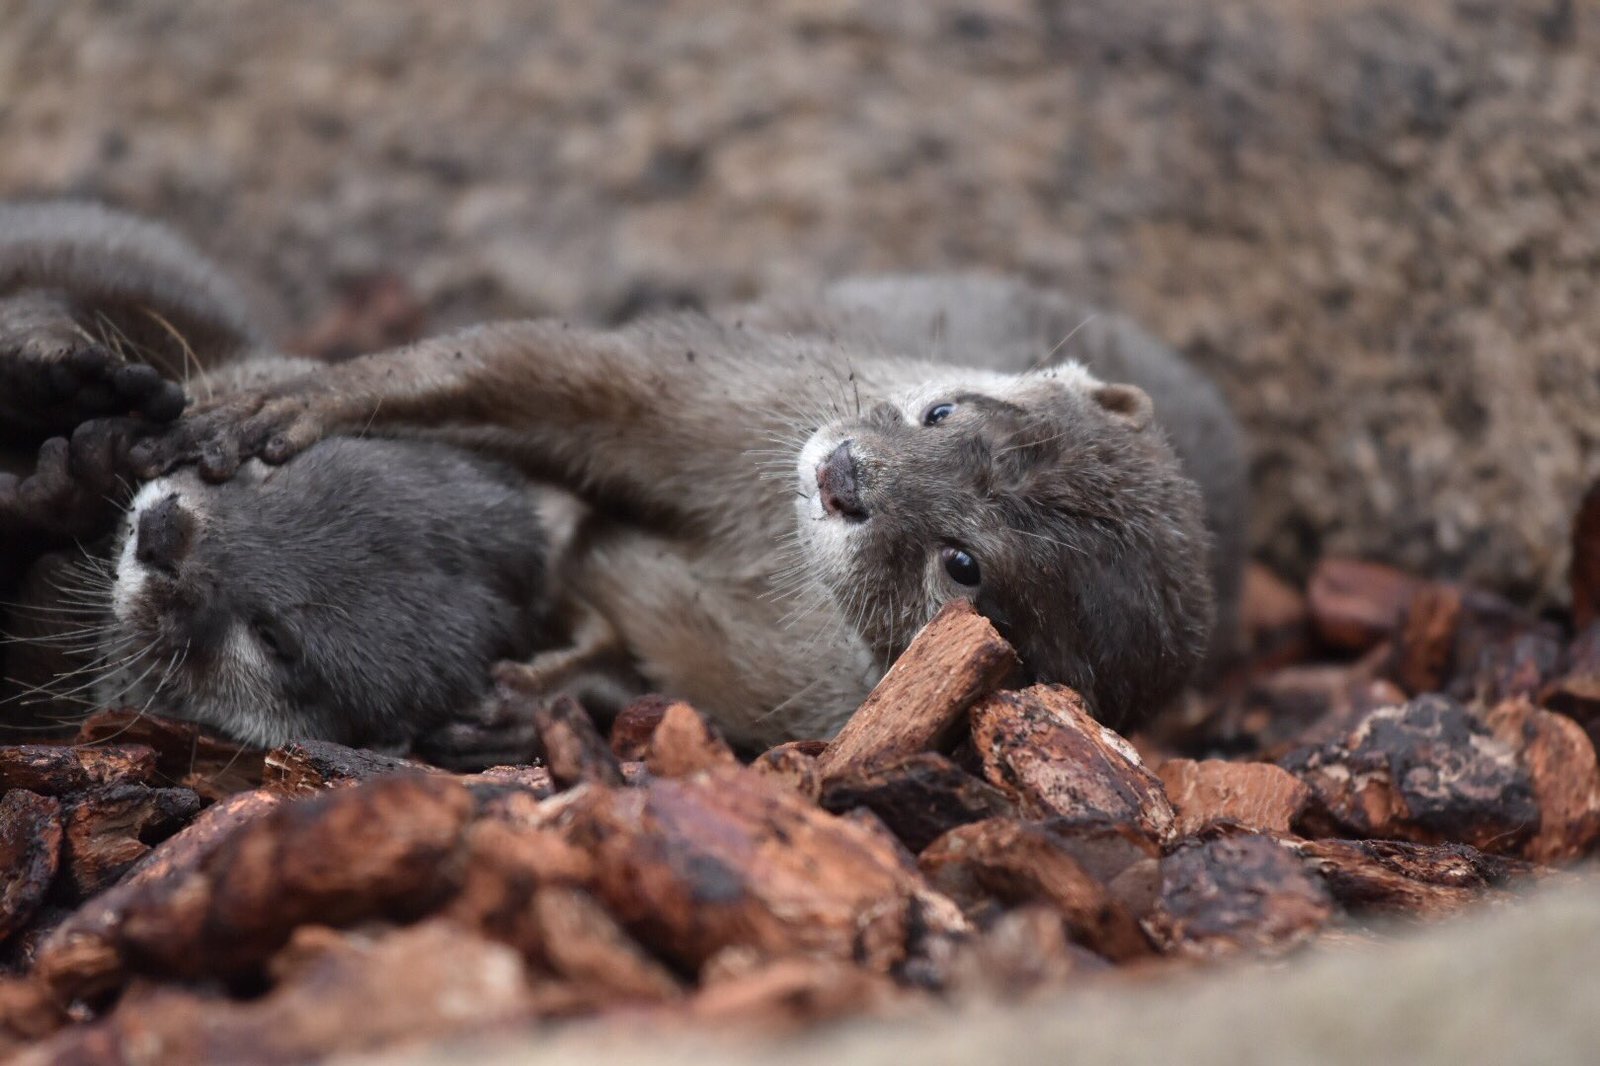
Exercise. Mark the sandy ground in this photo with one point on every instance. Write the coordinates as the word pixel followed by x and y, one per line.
pixel 1378 224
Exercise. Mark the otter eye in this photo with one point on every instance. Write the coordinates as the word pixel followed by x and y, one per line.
pixel 937 413
pixel 275 638
pixel 962 568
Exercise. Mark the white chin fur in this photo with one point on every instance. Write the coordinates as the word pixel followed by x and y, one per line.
pixel 825 538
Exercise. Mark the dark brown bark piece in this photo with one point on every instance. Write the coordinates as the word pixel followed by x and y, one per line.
pixel 573 749
pixel 1275 617
pixel 956 659
pixel 309 766
pixel 1426 645
pixel 186 754
pixel 108 829
pixel 1018 863
pixel 1237 893
pixel 57 769
pixel 1042 748
pixel 685 743
pixel 694 865
pixel 1560 760
pixel 30 851
pixel 793 765
pixel 1518 666
pixel 388 847
pixel 1586 560
pixel 1391 877
pixel 1428 771
pixel 80 958
pixel 335 993
pixel 1576 691
pixel 919 797
pixel 634 725
pixel 1256 796
pixel 1356 605
pixel 584 944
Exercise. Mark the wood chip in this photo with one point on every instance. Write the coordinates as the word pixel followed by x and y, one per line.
pixel 1017 863
pixel 1257 796
pixel 794 765
pixel 1426 644
pixel 1576 692
pixel 784 994
pixel 1427 771
pixel 573 749
pixel 955 660
pixel 30 851
pixel 1395 878
pixel 684 743
pixel 309 766
pixel 1275 617
pixel 583 943
pixel 57 769
pixel 635 724
pixel 1237 893
pixel 1042 748
pixel 1560 760
pixel 109 828
pixel 1585 572
pixel 186 753
pixel 919 797
pixel 1355 605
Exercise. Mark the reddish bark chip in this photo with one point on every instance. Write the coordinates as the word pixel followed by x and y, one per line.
pixel 584 945
pixel 780 995
pixel 55 769
pixel 1426 646
pixel 108 829
pixel 186 753
pixel 1237 893
pixel 1042 748
pixel 795 765
pixel 1391 877
pixel 635 724
pixel 1560 759
pixel 1586 560
pixel 30 850
pixel 1275 618
pixel 1251 795
pixel 1013 862
pixel 956 659
pixel 919 797
pixel 727 857
pixel 1356 605
pixel 309 766
pixel 1576 691
pixel 1427 771
pixel 573 748
pixel 684 743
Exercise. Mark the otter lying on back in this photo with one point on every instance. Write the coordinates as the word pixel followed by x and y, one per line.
pixel 794 489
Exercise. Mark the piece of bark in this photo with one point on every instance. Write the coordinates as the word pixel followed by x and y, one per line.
pixel 1356 605
pixel 27 1014
pixel 919 797
pixel 1299 705
pixel 1576 691
pixel 1560 760
pixel 694 865
pixel 390 847
pixel 1275 618
pixel 30 852
pixel 334 994
pixel 956 659
pixel 684 743
pixel 186 753
pixel 1250 795
pixel 1427 771
pixel 1388 877
pixel 81 959
pixel 786 994
pixel 1585 572
pixel 635 724
pixel 1019 863
pixel 792 765
pixel 309 766
pixel 1515 667
pixel 584 944
pixel 1026 951
pixel 1044 750
pixel 505 866
pixel 57 769
pixel 1425 646
pixel 1236 893
pixel 108 829
pixel 573 749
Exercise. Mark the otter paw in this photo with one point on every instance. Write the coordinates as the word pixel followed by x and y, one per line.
pixel 62 388
pixel 220 437
pixel 499 731
pixel 55 500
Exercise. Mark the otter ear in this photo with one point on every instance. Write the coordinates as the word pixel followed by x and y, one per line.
pixel 1128 404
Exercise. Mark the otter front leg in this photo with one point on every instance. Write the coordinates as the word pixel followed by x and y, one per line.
pixel 55 375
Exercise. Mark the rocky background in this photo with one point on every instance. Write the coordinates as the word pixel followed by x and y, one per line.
pixel 1378 224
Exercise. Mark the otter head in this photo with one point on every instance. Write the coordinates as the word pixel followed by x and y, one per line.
pixel 1049 499
pixel 358 593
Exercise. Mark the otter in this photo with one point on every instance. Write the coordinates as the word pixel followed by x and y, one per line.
pixel 793 488
pixel 360 594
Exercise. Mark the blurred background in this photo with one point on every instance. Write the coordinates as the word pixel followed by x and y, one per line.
pixel 1377 224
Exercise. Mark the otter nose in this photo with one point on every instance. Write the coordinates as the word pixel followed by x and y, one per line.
pixel 164 535
pixel 839 482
